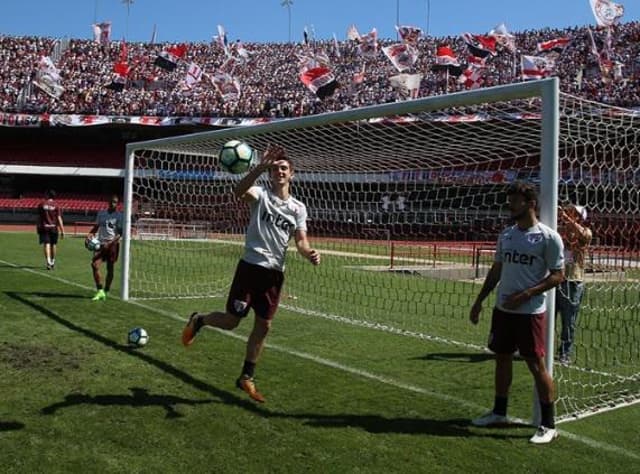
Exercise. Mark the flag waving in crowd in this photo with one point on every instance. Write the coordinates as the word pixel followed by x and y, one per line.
pixel 606 12
pixel 536 67
pixel 102 32
pixel 402 56
pixel 409 34
pixel 168 59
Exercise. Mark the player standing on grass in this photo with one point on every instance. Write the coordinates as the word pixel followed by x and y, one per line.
pixel 49 227
pixel 275 217
pixel 529 260
pixel 109 228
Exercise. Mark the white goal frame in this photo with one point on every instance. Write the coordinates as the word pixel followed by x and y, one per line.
pixel 547 90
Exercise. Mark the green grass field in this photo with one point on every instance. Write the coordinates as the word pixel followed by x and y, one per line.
pixel 340 397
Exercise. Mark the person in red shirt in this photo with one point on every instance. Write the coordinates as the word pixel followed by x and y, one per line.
pixel 49 227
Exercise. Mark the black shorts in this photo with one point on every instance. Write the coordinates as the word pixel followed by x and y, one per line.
pixel 255 287
pixel 48 236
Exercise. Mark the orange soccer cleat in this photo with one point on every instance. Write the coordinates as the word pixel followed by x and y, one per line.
pixel 248 385
pixel 191 329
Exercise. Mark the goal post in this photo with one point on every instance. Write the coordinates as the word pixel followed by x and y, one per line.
pixel 400 198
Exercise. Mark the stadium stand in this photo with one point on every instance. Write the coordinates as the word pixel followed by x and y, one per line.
pixel 269 79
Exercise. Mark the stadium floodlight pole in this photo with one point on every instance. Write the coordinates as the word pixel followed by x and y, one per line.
pixel 428 5
pixel 287 4
pixel 397 18
pixel 128 3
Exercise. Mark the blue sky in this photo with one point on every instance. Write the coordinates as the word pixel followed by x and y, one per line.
pixel 267 20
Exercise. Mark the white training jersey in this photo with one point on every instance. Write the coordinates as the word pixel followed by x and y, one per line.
pixel 526 257
pixel 272 223
pixel 109 225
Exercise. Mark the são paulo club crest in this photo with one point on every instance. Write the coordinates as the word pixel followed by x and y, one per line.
pixel 534 238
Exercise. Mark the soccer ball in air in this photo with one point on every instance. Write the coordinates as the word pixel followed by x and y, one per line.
pixel 92 244
pixel 235 156
pixel 138 337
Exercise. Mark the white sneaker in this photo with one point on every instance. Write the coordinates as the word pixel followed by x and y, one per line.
pixel 544 435
pixel 490 419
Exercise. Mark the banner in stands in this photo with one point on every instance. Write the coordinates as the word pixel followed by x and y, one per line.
pixel 76 120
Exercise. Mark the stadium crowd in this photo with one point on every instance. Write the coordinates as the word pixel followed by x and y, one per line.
pixel 269 77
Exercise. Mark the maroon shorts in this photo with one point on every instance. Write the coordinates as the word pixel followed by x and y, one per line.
pixel 525 333
pixel 108 253
pixel 255 287
pixel 48 236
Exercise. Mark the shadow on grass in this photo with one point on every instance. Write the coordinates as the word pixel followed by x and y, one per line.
pixel 42 294
pixel 456 427
pixel 223 395
pixel 457 357
pixel 10 426
pixel 139 397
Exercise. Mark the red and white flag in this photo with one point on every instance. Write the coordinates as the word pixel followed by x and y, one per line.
pixel 446 60
pixel 402 56
pixel 408 84
pixel 606 12
pixel 556 45
pixel 193 76
pixel 503 37
pixel 352 33
pixel 473 76
pixel 226 85
pixel 369 43
pixel 48 78
pixel 319 80
pixel 102 32
pixel 169 59
pixel 480 46
pixel 536 67
pixel 409 34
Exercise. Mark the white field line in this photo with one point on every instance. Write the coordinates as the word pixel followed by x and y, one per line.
pixel 355 371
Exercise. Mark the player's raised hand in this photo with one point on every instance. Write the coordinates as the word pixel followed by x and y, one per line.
pixel 272 154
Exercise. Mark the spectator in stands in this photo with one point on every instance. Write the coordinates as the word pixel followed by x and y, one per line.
pixel 269 78
pixel 50 226
pixel 577 237
pixel 108 225
pixel 529 261
pixel 276 216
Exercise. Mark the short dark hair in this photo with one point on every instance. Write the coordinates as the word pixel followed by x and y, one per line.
pixel 527 191
pixel 51 194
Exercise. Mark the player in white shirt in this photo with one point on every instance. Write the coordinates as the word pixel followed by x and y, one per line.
pixel 529 261
pixel 276 216
pixel 108 226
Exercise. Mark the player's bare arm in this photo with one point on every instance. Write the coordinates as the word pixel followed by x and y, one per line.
pixel 552 280
pixel 490 282
pixel 302 244
pixel 272 154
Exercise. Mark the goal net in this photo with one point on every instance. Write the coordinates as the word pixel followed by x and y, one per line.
pixel 405 203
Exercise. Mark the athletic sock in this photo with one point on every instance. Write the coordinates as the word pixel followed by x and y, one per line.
pixel 546 415
pixel 500 405
pixel 248 368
